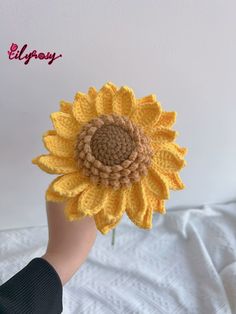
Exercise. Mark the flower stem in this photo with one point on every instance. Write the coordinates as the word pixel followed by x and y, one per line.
pixel 113 236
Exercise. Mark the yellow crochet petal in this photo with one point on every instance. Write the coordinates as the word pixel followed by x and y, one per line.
pixel 137 202
pixel 71 184
pixel 51 195
pixel 155 204
pixel 65 125
pixel 163 135
pixel 167 119
pixel 83 108
pixel 107 218
pixel 58 146
pixel 173 147
pixel 160 208
pixel 36 162
pixel 55 165
pixel 147 99
pixel 144 222
pixel 124 101
pixel 156 145
pixel 156 183
pixel 113 86
pixel 104 99
pixel 92 92
pixel 174 181
pixel 180 151
pixel 152 198
pixel 105 229
pixel 147 219
pixel 92 200
pixel 146 115
pixel 65 106
pixel 50 132
pixel 167 161
pixel 71 211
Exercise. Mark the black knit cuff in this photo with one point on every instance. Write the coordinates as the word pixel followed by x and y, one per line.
pixel 35 289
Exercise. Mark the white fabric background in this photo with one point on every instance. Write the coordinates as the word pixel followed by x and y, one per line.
pixel 185 265
pixel 183 51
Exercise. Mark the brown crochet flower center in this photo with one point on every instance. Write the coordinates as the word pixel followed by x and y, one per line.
pixel 111 144
pixel 113 151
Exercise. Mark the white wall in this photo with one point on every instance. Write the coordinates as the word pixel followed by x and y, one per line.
pixel 183 51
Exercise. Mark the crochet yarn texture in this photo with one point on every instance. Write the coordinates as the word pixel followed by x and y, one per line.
pixel 115 153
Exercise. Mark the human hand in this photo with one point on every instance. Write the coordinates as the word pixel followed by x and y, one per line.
pixel 69 242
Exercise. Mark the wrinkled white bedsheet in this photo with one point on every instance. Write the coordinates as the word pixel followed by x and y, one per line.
pixel 185 264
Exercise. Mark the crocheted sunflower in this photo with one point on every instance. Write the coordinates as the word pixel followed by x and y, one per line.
pixel 115 153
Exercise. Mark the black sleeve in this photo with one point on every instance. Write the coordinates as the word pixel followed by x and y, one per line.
pixel 35 289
